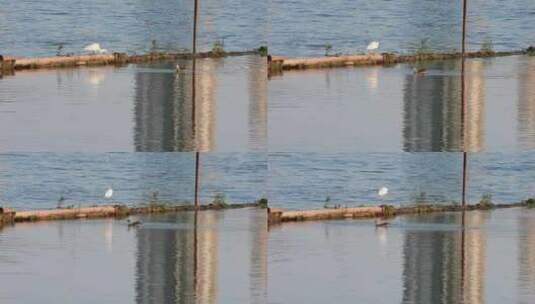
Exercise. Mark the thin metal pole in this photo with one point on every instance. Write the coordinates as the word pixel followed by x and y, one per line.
pixel 194 55
pixel 193 100
pixel 465 154
pixel 195 251
pixel 463 254
pixel 463 104
pixel 197 161
pixel 465 165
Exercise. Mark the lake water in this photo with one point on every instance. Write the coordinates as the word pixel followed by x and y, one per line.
pixel 231 257
pixel 298 139
pixel 288 180
pixel 37 28
pixel 304 27
pixel 39 180
pixel 291 28
pixel 376 109
pixel 137 108
pixel 147 108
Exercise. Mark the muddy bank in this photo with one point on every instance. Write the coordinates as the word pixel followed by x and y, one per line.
pixel 278 64
pixel 116 211
pixel 277 216
pixel 8 65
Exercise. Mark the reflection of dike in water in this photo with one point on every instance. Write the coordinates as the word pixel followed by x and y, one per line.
pixel 432 109
pixel 163 107
pixel 181 265
pixel 432 270
pixel 526 104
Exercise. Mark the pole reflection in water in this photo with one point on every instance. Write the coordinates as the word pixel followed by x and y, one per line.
pixel 178 257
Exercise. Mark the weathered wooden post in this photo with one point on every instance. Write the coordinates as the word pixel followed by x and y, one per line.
pixel 120 58
pixel 274 216
pixel 7 65
pixel 7 217
pixel 275 65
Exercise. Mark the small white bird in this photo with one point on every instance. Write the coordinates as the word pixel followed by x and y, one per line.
pixel 374 45
pixel 109 193
pixel 383 191
pixel 94 48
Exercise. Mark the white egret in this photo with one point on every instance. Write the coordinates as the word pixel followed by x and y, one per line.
pixel 109 193
pixel 383 191
pixel 94 48
pixel 374 45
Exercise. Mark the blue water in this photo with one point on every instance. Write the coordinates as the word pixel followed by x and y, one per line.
pixel 304 27
pixel 312 180
pixel 289 180
pixel 292 28
pixel 31 28
pixel 38 180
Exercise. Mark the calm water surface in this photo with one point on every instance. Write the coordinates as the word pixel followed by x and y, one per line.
pixel 310 180
pixel 137 108
pixel 288 180
pixel 376 109
pixel 231 257
pixel 38 180
pixel 419 259
pixel 30 28
pixel 292 28
pixel 147 108
pixel 304 27
pixel 214 257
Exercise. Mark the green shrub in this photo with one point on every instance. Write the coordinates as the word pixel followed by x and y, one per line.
pixel 486 201
pixel 263 51
pixel 262 203
pixel 328 49
pixel 487 46
pixel 421 47
pixel 220 200
pixel 218 48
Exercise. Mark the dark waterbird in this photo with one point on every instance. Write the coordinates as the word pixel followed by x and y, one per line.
pixel 381 223
pixel 419 71
pixel 133 224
